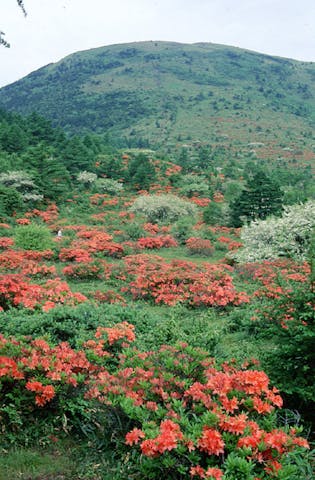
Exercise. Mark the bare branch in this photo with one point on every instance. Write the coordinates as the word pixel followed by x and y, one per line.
pixel 21 5
pixel 3 42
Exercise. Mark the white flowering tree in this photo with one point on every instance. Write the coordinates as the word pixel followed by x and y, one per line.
pixel 163 208
pixel 87 178
pixel 288 236
pixel 23 183
pixel 108 185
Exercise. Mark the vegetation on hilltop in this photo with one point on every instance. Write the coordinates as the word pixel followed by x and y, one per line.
pixel 164 93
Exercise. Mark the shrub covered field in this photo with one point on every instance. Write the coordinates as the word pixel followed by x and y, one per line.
pixel 151 348
pixel 156 319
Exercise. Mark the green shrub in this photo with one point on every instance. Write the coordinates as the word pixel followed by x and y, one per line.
pixel 182 229
pixel 10 201
pixel 194 185
pixel 134 231
pixel 33 237
pixel 215 214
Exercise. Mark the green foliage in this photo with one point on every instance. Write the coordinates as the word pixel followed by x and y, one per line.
pixel 213 214
pixel 292 362
pixel 183 229
pixel 33 237
pixel 10 201
pixel 155 326
pixel 141 172
pixel 134 231
pixel 238 468
pixel 194 185
pixel 110 166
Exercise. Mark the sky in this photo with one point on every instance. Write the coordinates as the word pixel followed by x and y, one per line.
pixel 56 28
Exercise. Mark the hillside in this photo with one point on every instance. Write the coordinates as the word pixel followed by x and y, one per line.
pixel 171 94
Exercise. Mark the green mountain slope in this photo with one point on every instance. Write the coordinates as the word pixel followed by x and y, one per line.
pixel 170 93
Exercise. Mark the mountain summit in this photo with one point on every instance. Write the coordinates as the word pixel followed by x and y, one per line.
pixel 167 92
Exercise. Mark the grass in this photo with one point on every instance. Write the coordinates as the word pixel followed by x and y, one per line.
pixel 31 464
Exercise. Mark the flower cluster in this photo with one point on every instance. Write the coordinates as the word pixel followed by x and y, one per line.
pixel 180 281
pixel 48 216
pixel 16 290
pixel 160 241
pixel 6 242
pixel 182 405
pixel 199 246
pixel 95 240
pixel 26 262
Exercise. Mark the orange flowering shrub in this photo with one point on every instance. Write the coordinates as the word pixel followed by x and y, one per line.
pixel 23 221
pixel 173 169
pixel 184 414
pixel 84 270
pixel 110 296
pixel 93 241
pixel 200 202
pixel 179 281
pixel 6 242
pixel 151 228
pixel 48 216
pixel 15 290
pixel 160 241
pixel 276 277
pixel 74 255
pixel 5 226
pixel 231 244
pixel 199 246
pixel 189 414
pixel 26 262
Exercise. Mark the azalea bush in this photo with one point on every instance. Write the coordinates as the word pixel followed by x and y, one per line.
pixel 86 270
pixel 193 418
pixel 199 246
pixel 160 241
pixel 178 414
pixel 181 282
pixel 17 291
pixel 95 241
pixel 27 262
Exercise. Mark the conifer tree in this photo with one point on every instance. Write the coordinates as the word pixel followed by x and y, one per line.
pixel 261 197
pixel 141 172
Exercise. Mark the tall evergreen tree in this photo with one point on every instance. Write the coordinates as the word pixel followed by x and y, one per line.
pixel 76 156
pixel 261 198
pixel 141 172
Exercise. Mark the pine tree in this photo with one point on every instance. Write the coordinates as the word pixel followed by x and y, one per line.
pixel 141 172
pixel 261 198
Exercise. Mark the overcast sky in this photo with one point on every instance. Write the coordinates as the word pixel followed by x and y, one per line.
pixel 56 28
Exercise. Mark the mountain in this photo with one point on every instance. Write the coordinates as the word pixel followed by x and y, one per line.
pixel 170 93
